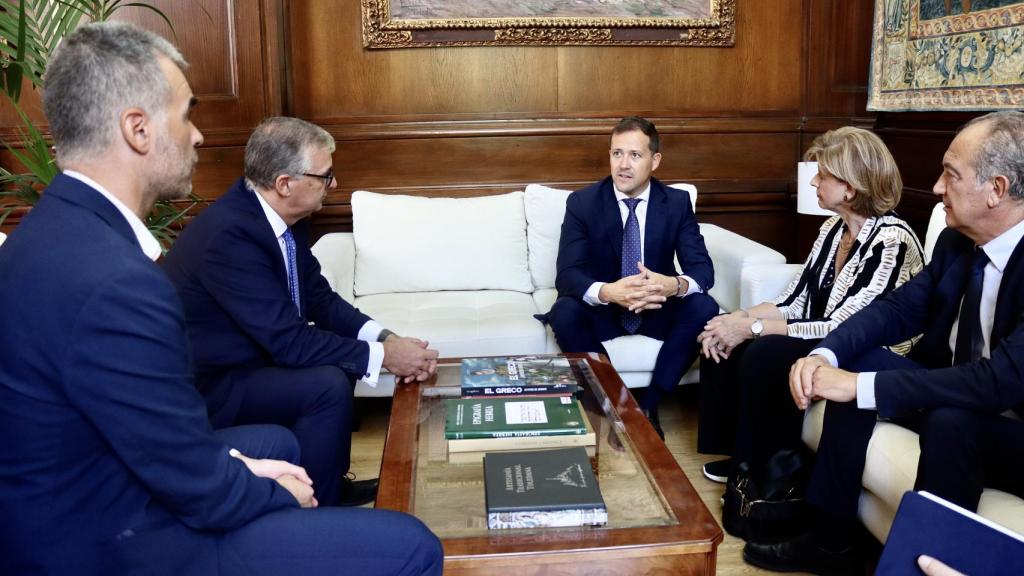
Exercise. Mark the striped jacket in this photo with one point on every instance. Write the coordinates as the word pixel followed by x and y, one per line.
pixel 885 254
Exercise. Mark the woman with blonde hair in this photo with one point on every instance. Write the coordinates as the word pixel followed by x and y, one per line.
pixel 860 254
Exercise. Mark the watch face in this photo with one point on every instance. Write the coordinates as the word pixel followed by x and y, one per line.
pixel 757 327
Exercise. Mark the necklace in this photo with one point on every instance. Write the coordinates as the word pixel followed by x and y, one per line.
pixel 846 241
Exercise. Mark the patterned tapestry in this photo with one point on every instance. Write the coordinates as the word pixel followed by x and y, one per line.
pixel 947 55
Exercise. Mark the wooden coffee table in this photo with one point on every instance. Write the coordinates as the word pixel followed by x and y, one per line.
pixel 657 522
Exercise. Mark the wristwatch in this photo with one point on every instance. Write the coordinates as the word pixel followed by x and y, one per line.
pixel 756 328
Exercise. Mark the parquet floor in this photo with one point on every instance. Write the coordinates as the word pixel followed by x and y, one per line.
pixel 678 418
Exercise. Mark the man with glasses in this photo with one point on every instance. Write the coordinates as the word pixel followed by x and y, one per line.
pixel 272 343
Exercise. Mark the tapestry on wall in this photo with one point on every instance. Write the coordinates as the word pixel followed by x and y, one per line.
pixel 947 55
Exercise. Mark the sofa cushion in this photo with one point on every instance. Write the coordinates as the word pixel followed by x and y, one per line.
pixel 416 244
pixel 545 210
pixel 462 323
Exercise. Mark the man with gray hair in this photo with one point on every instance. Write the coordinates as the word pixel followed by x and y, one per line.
pixel 962 378
pixel 109 464
pixel 272 343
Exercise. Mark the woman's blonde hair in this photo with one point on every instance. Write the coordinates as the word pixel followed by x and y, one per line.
pixel 859 158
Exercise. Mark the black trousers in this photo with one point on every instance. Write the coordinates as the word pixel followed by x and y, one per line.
pixel 580 327
pixel 746 410
pixel 963 451
pixel 314 403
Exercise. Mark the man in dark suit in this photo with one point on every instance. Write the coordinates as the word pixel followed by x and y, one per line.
pixel 272 342
pixel 616 273
pixel 109 464
pixel 959 379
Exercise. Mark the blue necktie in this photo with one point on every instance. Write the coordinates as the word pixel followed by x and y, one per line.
pixel 293 275
pixel 969 339
pixel 630 256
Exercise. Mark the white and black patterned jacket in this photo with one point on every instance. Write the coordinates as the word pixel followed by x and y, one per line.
pixel 885 254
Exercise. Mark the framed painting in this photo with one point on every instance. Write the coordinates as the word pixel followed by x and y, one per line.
pixel 947 55
pixel 424 23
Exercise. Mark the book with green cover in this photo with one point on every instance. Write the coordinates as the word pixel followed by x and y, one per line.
pixel 511 417
pixel 542 488
pixel 518 376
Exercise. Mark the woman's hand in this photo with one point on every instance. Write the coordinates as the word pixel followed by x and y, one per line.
pixel 724 333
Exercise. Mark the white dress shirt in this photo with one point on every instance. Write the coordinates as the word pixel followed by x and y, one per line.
pixel 150 245
pixel 368 333
pixel 998 250
pixel 591 296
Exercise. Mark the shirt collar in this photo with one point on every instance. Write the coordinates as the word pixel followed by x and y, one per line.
pixel 277 224
pixel 1000 248
pixel 645 195
pixel 149 244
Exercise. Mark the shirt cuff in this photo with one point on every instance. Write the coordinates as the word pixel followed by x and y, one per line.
pixel 828 354
pixel 370 331
pixel 866 391
pixel 591 296
pixel 691 286
pixel 374 364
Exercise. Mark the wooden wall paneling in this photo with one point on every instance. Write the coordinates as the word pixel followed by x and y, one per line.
pixel 838 57
pixel 223 43
pixel 334 79
pixel 761 73
pixel 917 142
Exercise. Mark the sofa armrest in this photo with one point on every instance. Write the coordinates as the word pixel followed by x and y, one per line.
pixel 763 282
pixel 336 253
pixel 731 254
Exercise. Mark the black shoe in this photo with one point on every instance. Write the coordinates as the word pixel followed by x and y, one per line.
pixel 356 492
pixel 718 471
pixel 801 554
pixel 652 417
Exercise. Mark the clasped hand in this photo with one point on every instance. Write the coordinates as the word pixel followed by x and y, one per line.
pixel 813 378
pixel 722 334
pixel 409 359
pixel 645 290
pixel 292 478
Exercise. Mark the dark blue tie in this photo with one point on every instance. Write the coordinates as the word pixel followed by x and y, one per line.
pixel 630 256
pixel 293 275
pixel 969 339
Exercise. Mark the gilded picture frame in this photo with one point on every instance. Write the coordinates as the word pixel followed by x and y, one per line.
pixel 440 23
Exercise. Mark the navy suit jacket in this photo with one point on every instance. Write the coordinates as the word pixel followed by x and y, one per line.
pixel 228 268
pixel 109 465
pixel 929 304
pixel 590 248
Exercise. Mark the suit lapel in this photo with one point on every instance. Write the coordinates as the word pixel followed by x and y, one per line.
pixel 654 228
pixel 612 218
pixel 252 214
pixel 81 194
pixel 1008 301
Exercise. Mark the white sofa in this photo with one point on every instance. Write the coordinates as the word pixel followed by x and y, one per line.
pixel 469 274
pixel 893 452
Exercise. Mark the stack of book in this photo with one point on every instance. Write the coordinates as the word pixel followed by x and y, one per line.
pixel 545 488
pixel 515 403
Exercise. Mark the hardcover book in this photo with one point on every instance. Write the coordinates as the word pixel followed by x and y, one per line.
pixel 481 445
pixel 959 538
pixel 511 417
pixel 542 488
pixel 519 376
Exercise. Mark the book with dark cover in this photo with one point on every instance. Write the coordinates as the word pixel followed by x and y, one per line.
pixel 542 488
pixel 959 538
pixel 519 376
pixel 510 417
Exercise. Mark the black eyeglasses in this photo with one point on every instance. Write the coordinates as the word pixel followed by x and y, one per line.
pixel 327 177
